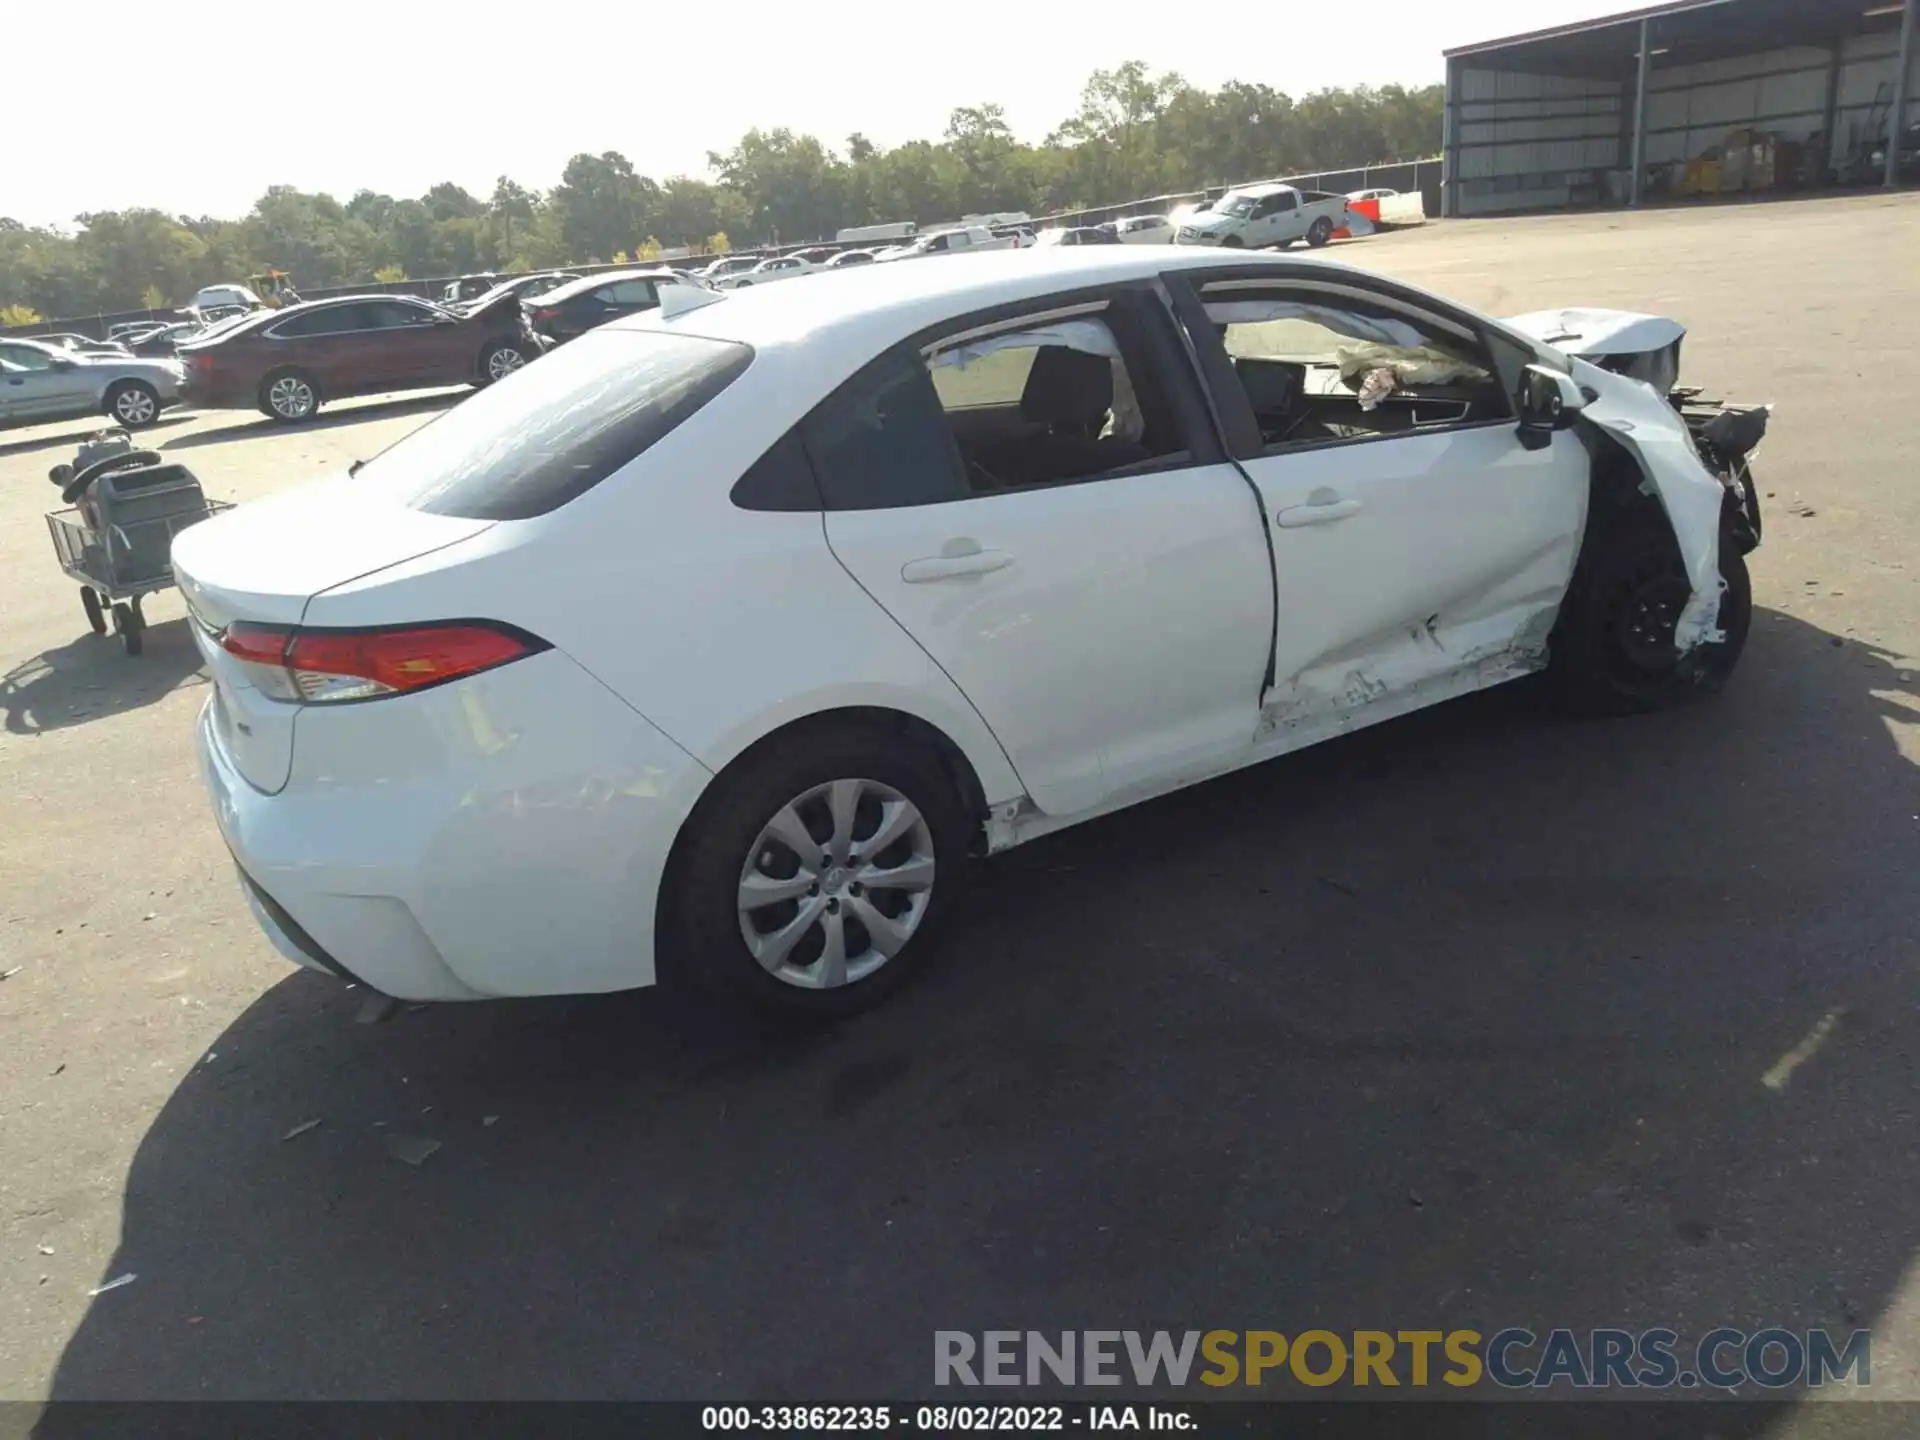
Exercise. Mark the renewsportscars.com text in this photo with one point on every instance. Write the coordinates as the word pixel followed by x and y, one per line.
pixel 1513 1358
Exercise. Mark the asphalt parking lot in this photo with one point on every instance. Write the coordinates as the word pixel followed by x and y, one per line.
pixel 1463 1022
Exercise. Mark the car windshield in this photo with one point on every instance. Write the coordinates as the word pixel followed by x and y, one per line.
pixel 1238 206
pixel 553 431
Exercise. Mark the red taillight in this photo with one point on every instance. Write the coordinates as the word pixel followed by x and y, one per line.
pixel 200 360
pixel 333 665
pixel 543 316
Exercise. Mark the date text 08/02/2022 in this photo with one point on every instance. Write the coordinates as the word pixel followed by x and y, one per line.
pixel 945 1419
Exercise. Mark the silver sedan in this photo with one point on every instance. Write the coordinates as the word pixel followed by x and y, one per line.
pixel 41 382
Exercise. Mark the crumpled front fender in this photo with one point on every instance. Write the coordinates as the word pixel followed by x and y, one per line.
pixel 1649 429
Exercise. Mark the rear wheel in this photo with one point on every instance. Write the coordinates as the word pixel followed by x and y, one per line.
pixel 134 403
pixel 1320 232
pixel 499 361
pixel 289 395
pixel 90 602
pixel 1613 649
pixel 814 873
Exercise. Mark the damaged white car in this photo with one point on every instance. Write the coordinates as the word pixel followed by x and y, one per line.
pixel 775 608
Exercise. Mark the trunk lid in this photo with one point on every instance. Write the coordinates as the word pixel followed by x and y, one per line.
pixel 262 563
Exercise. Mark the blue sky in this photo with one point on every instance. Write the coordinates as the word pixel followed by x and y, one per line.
pixel 398 95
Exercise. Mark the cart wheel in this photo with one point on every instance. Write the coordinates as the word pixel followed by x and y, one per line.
pixel 126 624
pixel 139 615
pixel 96 617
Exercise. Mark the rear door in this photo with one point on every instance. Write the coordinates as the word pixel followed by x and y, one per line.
pixel 416 344
pixel 1417 543
pixel 1043 507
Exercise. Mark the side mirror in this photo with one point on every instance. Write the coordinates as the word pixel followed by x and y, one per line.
pixel 1548 402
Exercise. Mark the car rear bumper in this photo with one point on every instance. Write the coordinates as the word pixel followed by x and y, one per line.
pixel 502 835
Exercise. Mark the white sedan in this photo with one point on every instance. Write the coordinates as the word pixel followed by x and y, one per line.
pixel 714 647
pixel 781 267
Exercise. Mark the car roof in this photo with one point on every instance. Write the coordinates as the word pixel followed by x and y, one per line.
pixel 869 307
pixel 1258 191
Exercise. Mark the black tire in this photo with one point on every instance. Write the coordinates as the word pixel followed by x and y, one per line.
pixel 1233 242
pixel 495 363
pixel 90 602
pixel 1319 233
pixel 701 938
pixel 132 403
pixel 286 385
pixel 1612 648
pixel 126 624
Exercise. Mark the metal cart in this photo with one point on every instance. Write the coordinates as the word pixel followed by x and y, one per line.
pixel 117 539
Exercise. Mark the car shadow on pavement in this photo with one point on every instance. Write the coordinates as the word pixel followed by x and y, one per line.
pixel 1474 1020
pixel 69 440
pixel 261 427
pixel 92 677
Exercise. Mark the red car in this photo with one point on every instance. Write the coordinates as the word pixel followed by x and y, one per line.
pixel 289 362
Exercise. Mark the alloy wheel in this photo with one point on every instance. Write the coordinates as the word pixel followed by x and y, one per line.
pixel 836 884
pixel 291 397
pixel 503 362
pixel 134 406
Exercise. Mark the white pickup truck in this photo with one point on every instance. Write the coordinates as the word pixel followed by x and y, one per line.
pixel 953 242
pixel 1262 215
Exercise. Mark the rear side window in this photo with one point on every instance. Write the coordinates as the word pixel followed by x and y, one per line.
pixel 551 432
pixel 881 441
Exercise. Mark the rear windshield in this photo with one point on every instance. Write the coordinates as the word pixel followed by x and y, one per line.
pixel 557 428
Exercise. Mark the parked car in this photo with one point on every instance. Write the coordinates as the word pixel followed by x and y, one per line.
pixel 290 362
pixel 526 287
pixel 209 297
pixel 1262 215
pixel 467 287
pixel 780 267
pixel 1144 230
pixel 712 646
pixel 573 309
pixel 83 344
pixel 727 265
pixel 1376 194
pixel 40 382
pixel 1069 235
pixel 815 255
pixel 850 257
pixel 957 241
pixel 164 340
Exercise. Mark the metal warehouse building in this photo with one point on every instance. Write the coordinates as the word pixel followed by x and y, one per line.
pixel 1691 98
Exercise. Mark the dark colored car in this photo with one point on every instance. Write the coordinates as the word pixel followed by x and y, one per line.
pixel 526 287
pixel 573 309
pixel 289 362
pixel 162 341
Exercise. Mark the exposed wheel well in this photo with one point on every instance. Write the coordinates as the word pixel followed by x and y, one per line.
pixel 966 781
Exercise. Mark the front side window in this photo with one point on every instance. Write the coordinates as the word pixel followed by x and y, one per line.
pixel 26 357
pixel 1319 366
pixel 551 432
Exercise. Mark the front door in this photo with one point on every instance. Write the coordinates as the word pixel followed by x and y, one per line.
pixel 40 385
pixel 1045 512
pixel 1418 545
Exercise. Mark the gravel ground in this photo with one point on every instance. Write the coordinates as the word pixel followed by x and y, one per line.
pixel 1459 1022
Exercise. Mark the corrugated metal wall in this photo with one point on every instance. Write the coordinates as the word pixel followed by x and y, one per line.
pixel 1543 142
pixel 1535 142
pixel 1691 108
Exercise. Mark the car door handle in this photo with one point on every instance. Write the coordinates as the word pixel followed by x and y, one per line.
pixel 1317 511
pixel 955 567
